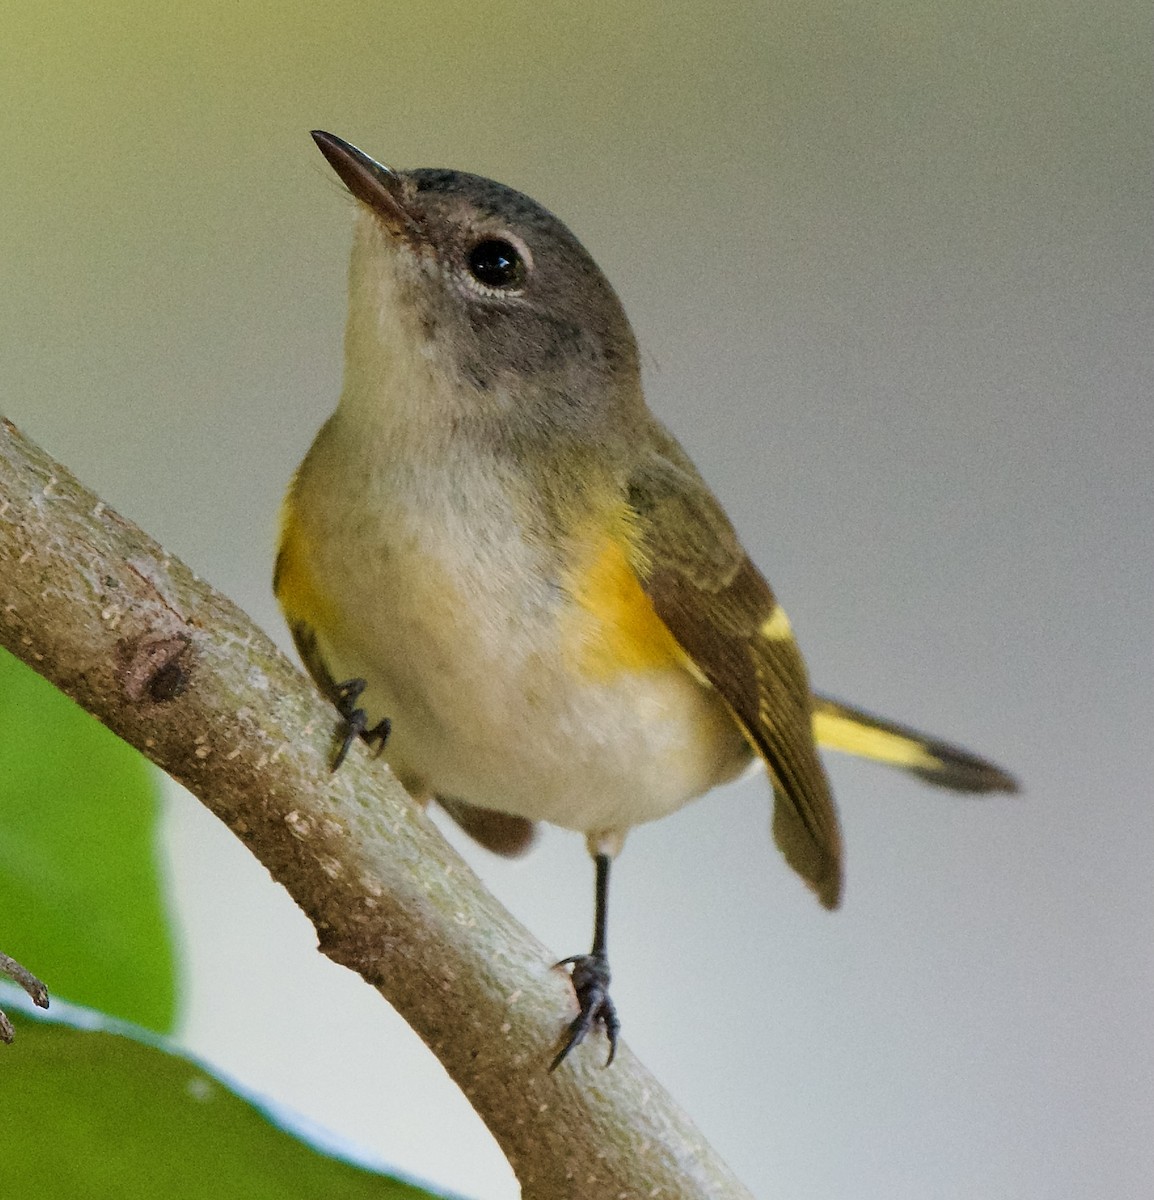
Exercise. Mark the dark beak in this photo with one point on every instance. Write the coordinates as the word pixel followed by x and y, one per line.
pixel 373 184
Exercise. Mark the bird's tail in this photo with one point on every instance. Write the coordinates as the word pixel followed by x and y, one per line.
pixel 837 726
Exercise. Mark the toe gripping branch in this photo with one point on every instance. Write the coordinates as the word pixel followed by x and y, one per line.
pixel 591 983
pixel 356 722
pixel 590 977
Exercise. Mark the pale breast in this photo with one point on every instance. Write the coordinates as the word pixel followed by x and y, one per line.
pixel 510 685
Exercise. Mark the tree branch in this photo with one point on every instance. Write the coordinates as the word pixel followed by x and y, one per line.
pixel 21 975
pixel 174 668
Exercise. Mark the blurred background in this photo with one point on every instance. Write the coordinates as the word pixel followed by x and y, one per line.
pixel 890 265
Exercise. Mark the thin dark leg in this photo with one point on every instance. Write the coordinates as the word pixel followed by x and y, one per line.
pixel 356 722
pixel 591 978
pixel 601 905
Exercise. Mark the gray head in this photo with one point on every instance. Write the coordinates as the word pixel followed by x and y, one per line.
pixel 497 291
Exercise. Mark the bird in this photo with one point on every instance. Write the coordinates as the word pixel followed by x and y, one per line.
pixel 510 578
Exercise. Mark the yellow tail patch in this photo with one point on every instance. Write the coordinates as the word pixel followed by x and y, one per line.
pixel 839 731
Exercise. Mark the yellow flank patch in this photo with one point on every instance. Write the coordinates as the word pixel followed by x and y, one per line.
pixel 836 732
pixel 615 627
pixel 296 590
pixel 776 627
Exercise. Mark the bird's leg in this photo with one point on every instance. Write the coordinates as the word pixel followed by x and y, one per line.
pixel 591 978
pixel 355 721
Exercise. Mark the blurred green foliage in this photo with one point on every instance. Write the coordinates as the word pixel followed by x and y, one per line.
pixel 103 1116
pixel 87 1112
pixel 81 902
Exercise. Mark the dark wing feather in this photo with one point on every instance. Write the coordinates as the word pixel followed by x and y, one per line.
pixel 306 643
pixel 502 833
pixel 716 604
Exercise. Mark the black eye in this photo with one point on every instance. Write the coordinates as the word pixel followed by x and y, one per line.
pixel 496 263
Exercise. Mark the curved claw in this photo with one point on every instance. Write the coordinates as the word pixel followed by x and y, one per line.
pixel 591 983
pixel 356 722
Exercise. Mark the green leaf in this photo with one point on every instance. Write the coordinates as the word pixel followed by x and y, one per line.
pixel 80 897
pixel 109 1116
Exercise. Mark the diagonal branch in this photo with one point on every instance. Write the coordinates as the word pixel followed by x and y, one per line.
pixel 174 668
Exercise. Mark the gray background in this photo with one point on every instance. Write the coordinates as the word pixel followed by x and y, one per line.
pixel 890 265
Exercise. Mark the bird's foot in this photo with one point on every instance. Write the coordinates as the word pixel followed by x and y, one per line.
pixel 590 977
pixel 356 722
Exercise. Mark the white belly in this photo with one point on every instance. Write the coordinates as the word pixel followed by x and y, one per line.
pixel 457 631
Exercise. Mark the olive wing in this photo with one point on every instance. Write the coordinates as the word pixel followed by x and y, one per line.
pixel 727 620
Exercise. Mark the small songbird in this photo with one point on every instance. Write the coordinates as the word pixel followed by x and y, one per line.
pixel 505 572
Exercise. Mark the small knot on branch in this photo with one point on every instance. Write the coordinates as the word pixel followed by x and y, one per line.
pixel 156 668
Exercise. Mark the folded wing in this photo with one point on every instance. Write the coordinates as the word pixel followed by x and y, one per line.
pixel 728 622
